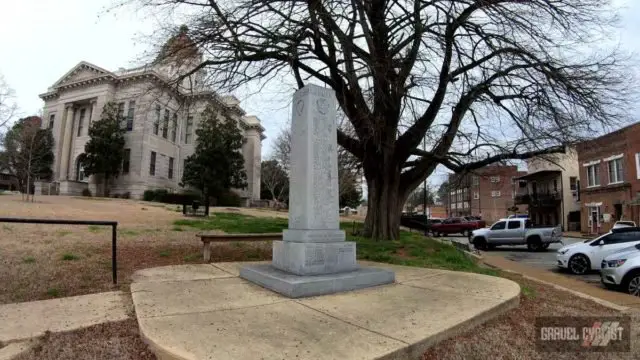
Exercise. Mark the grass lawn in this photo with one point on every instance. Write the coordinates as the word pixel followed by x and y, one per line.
pixel 411 249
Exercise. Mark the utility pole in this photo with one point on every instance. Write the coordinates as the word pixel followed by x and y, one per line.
pixel 424 194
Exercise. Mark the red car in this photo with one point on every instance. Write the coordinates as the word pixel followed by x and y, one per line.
pixel 457 225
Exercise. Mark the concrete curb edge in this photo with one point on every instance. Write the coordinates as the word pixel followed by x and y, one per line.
pixel 597 300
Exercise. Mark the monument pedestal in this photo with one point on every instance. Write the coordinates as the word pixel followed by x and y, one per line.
pixel 297 286
pixel 303 258
pixel 314 258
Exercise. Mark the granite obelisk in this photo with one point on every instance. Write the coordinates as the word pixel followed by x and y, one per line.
pixel 314 258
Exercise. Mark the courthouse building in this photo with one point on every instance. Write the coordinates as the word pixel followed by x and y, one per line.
pixel 160 121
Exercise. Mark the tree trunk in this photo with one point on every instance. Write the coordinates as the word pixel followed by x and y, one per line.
pixel 206 201
pixel 385 200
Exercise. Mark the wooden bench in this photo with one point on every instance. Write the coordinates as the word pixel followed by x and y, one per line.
pixel 207 239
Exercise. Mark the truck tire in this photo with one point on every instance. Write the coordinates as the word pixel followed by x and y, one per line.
pixel 480 243
pixel 545 246
pixel 534 243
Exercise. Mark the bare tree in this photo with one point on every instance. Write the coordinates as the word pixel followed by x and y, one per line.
pixel 8 107
pixel 282 149
pixel 28 153
pixel 275 180
pixel 462 83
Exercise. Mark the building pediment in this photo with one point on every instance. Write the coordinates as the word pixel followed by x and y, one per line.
pixel 82 71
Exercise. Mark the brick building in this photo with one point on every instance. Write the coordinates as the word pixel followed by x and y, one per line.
pixel 610 173
pixel 488 192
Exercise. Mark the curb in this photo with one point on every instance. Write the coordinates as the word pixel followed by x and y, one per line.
pixel 16 349
pixel 605 303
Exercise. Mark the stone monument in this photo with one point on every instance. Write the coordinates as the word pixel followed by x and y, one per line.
pixel 314 258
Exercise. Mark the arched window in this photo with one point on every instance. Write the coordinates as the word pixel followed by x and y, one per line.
pixel 80 172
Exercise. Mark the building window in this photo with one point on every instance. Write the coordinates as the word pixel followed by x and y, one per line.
pixel 638 165
pixel 83 112
pixel 476 195
pixel 615 171
pixel 475 180
pixel 52 119
pixel 126 161
pixel 165 124
pixel 170 174
pixel 174 127
pixel 120 111
pixel 130 115
pixel 152 164
pixel 573 183
pixel 495 179
pixel 188 129
pixel 495 193
pixel 593 175
pixel 156 124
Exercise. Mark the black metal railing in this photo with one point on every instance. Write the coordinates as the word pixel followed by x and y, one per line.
pixel 114 229
pixel 539 199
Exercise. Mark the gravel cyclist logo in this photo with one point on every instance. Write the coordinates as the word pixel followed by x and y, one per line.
pixel 589 334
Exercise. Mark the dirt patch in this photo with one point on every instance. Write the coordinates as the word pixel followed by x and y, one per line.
pixel 119 340
pixel 511 336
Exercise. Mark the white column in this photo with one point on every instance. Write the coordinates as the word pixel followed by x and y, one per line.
pixel 67 134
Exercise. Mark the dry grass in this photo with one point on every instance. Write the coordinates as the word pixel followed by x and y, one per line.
pixel 119 340
pixel 511 336
pixel 45 261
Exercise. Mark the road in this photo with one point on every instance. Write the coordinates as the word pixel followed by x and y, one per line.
pixel 545 260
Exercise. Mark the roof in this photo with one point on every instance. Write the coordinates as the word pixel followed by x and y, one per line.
pixel 539 174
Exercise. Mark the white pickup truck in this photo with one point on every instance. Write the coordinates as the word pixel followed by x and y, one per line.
pixel 516 231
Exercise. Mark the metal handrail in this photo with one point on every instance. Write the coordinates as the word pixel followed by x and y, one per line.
pixel 113 224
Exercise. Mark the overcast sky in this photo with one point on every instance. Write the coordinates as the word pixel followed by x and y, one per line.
pixel 40 40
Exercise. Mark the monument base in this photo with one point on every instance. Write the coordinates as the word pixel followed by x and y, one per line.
pixel 303 258
pixel 296 286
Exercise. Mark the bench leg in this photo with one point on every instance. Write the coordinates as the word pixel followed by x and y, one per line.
pixel 206 247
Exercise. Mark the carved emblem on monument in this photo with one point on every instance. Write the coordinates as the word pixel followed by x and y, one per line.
pixel 299 107
pixel 322 106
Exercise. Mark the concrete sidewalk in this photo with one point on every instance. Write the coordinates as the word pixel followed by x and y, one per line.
pixel 27 320
pixel 618 298
pixel 207 311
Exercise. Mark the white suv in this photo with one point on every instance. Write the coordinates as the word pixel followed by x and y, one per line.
pixel 621 270
pixel 579 258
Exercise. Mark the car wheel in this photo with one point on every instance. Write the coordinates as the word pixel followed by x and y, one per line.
pixel 579 264
pixel 631 283
pixel 534 244
pixel 545 246
pixel 480 243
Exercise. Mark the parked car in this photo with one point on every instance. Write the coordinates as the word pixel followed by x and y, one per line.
pixel 457 225
pixel 516 231
pixel 623 223
pixel 621 270
pixel 418 221
pixel 582 257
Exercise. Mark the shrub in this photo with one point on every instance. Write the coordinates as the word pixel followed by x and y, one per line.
pixel 228 198
pixel 164 196
pixel 86 192
pixel 160 195
pixel 149 195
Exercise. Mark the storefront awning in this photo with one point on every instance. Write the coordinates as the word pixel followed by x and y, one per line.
pixel 539 174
